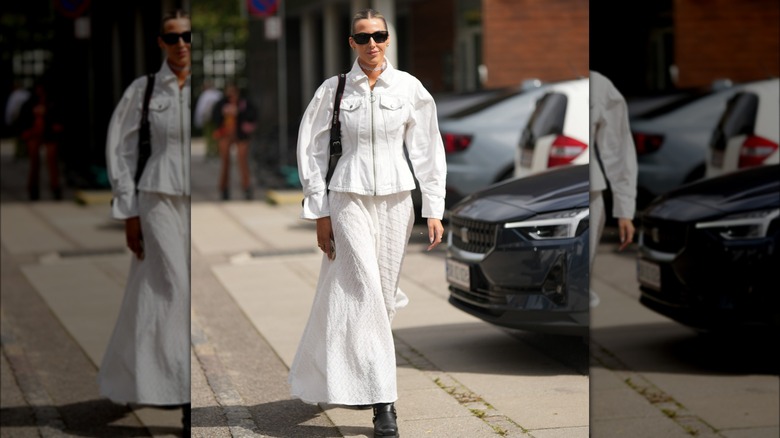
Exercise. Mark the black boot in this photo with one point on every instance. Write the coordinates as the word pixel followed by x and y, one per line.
pixel 384 421
pixel 186 420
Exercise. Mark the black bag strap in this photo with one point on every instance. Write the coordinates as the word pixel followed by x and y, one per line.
pixel 335 127
pixel 144 141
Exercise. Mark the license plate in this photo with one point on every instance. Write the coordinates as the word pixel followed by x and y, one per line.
pixel 458 273
pixel 649 274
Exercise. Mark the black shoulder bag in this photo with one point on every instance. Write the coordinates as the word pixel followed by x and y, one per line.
pixel 144 134
pixel 335 131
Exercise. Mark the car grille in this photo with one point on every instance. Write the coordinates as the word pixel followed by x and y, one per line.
pixel 664 236
pixel 480 236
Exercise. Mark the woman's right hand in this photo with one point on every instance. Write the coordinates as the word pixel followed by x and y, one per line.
pixel 134 237
pixel 325 236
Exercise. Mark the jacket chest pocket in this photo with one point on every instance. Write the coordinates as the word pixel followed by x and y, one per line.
pixel 350 114
pixel 393 113
pixel 160 112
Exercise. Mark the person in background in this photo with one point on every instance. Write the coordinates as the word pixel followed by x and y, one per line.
pixel 613 164
pixel 203 111
pixel 42 127
pixel 235 118
pixel 147 361
pixel 364 219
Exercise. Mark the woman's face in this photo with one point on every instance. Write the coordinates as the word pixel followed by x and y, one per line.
pixel 178 52
pixel 371 53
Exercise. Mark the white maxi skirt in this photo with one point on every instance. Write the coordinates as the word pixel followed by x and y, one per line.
pixel 147 360
pixel 346 355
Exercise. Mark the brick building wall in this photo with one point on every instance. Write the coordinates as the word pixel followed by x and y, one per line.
pixel 726 39
pixel 432 24
pixel 524 39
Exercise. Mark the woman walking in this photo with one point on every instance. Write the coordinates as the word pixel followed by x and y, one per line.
pixel 147 361
pixel 364 219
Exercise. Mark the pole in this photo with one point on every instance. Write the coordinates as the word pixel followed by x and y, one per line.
pixel 281 75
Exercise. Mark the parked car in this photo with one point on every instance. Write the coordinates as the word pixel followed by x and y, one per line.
pixel 480 141
pixel 748 132
pixel 672 141
pixel 517 252
pixel 708 252
pixel 558 130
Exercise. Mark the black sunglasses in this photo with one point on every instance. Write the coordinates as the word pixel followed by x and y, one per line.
pixel 173 38
pixel 362 38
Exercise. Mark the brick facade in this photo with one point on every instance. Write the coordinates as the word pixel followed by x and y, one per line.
pixel 526 39
pixel 433 35
pixel 726 39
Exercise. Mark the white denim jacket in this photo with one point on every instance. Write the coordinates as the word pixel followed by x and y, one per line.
pixel 168 168
pixel 374 127
pixel 610 129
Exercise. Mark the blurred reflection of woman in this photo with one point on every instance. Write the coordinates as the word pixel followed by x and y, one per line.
pixel 147 361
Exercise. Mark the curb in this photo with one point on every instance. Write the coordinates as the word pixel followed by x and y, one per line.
pixel 284 197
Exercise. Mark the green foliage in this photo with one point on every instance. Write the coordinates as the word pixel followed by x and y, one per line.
pixel 213 17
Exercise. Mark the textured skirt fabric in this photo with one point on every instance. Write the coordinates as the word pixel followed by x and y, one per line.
pixel 148 357
pixel 346 355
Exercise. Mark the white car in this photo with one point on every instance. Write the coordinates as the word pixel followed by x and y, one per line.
pixel 558 131
pixel 748 132
pixel 480 141
pixel 672 142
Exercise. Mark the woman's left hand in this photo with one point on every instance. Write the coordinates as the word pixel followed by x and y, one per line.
pixel 435 232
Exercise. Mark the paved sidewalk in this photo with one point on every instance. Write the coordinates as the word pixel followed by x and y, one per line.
pixel 254 270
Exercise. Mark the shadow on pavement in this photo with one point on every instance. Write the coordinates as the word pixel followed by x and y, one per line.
pixel 469 347
pixel 278 419
pixel 90 418
pixel 673 348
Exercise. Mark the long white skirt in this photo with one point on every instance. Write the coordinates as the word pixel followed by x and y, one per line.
pixel 148 357
pixel 346 355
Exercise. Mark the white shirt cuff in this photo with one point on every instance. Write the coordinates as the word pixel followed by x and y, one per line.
pixel 432 206
pixel 124 206
pixel 316 206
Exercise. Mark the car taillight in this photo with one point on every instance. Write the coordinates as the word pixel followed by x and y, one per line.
pixel 755 150
pixel 647 143
pixel 564 150
pixel 456 142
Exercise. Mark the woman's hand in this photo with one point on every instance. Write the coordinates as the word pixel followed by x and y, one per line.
pixel 134 237
pixel 435 232
pixel 325 237
pixel 626 229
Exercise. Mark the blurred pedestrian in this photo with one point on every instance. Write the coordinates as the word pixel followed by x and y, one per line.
pixel 204 108
pixel 147 361
pixel 613 163
pixel 13 106
pixel 235 118
pixel 42 127
pixel 364 220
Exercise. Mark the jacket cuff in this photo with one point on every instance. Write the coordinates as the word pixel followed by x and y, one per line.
pixel 623 206
pixel 432 206
pixel 316 206
pixel 124 206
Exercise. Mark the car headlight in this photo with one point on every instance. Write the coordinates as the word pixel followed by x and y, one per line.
pixel 558 225
pixel 752 225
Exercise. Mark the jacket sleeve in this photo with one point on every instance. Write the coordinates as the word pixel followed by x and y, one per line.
pixel 313 152
pixel 618 153
pixel 122 151
pixel 426 152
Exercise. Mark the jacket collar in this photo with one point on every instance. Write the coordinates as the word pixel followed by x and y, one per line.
pixel 386 77
pixel 166 75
